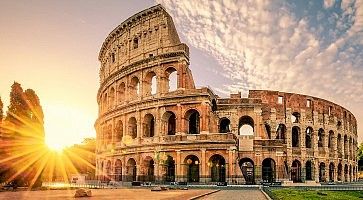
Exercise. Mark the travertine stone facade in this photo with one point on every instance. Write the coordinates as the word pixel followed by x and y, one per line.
pixel 154 125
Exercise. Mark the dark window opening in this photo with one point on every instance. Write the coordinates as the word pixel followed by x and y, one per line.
pixel 295 136
pixel 136 43
pixel 193 122
pixel 308 137
pixel 224 125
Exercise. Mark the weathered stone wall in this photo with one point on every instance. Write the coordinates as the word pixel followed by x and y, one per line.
pixel 147 131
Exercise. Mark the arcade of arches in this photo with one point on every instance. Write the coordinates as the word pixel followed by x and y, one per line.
pixel 154 124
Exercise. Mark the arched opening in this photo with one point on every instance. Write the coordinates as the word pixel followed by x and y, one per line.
pixel 108 171
pixel 224 125
pixel 119 131
pixel 136 43
pixel 308 136
pixel 309 171
pixel 149 125
pixel 248 170
pixel 246 126
pixel 149 168
pixel 295 136
pixel 131 170
pixel 121 92
pixel 330 142
pixel 268 170
pixel 295 117
pixel 322 172
pixel 193 121
pixel 169 123
pixel 132 125
pixel 340 170
pixel 102 176
pixel 172 79
pixel 150 84
pixel 192 167
pixel 105 99
pixel 217 166
pixel 134 88
pixel 281 133
pixel 346 173
pixel 109 134
pixel 214 105
pixel 111 97
pixel 321 137
pixel 170 169
pixel 339 143
pixel 118 170
pixel 345 145
pixel 296 171
pixel 268 131
pixel 331 172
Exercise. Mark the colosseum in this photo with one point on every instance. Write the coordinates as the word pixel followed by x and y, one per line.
pixel 154 125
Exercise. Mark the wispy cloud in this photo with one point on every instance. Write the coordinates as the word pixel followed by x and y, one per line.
pixel 314 48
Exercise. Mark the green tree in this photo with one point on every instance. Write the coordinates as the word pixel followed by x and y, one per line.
pixel 360 157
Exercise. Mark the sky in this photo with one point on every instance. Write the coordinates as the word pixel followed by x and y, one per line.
pixel 308 47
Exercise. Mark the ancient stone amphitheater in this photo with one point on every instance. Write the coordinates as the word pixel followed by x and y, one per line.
pixel 155 125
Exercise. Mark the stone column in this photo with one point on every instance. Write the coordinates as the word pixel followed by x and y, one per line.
pixel 203 166
pixel 178 174
pixel 316 170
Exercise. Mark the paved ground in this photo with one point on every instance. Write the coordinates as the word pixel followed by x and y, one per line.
pixel 235 195
pixel 128 194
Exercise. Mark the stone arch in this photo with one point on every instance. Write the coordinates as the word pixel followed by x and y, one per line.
pixel 295 137
pixel 121 90
pixel 268 130
pixel 308 137
pixel 330 141
pixel 339 144
pixel 150 84
pixel 149 168
pixel 309 170
pixel 340 171
pixel 321 137
pixel 246 126
pixel 192 118
pixel 296 171
pixel 170 169
pixel 134 88
pixel 322 177
pixel 268 170
pixel 171 75
pixel 132 127
pixel 105 99
pixel 108 171
pixel 346 173
pixel 295 117
pixel 131 170
pixel 217 165
pixel 247 167
pixel 119 131
pixel 191 163
pixel 224 125
pixel 331 172
pixel 281 132
pixel 169 123
pixel 149 125
pixel 111 97
pixel 345 145
pixel 118 170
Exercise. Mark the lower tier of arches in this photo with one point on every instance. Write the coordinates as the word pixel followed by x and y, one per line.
pixel 204 166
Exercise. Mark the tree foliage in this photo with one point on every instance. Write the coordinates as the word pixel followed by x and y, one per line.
pixel 24 137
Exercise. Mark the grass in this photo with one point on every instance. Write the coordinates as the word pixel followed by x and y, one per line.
pixel 296 194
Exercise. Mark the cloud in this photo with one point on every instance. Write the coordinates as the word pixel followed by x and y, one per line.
pixel 266 45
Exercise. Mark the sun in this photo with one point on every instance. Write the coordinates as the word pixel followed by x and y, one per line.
pixel 55 145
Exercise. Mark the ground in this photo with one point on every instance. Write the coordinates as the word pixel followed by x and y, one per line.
pixel 287 194
pixel 128 194
pixel 235 195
